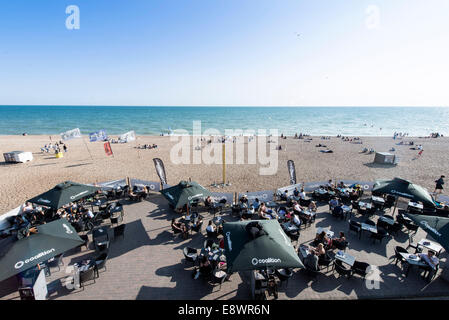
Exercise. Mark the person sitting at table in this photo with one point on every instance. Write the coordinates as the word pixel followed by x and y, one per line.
pixel 266 213
pixel 321 238
pixel 208 202
pixel 302 194
pixel 210 227
pixel 256 204
pixel 26 231
pixel 312 206
pixel 284 196
pixel 338 242
pixel 297 208
pixel 333 203
pixel 330 185
pixel 179 227
pixel 27 208
pixel 341 185
pixel 205 266
pixel 319 250
pixel 311 261
pixel 296 192
pixel 432 262
pixel 295 220
pixel 244 200
pixel 337 211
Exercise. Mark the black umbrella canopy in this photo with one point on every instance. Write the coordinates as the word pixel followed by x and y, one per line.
pixel 63 194
pixel 274 249
pixel 404 188
pixel 437 227
pixel 184 193
pixel 51 239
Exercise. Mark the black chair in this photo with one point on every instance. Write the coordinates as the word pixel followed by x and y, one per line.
pixel 208 243
pixel 370 222
pixel 87 275
pixel 100 263
pixel 380 235
pixel 119 231
pixel 411 227
pixel 85 238
pixel 397 255
pixel 342 270
pixel 325 261
pixel 197 228
pixel 55 263
pixel 294 235
pixel 341 245
pixel 382 224
pixel 284 275
pixel 218 277
pixel 415 246
pixel 395 228
pixel 355 227
pixel 212 234
pixel 190 254
pixel 360 268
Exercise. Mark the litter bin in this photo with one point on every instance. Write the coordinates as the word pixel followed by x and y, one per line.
pixel 59 155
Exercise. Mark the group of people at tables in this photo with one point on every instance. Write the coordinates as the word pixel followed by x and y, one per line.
pixel 211 259
pixel 191 221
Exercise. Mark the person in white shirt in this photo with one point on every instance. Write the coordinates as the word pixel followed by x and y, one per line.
pixel 302 195
pixel 330 185
pixel 89 214
pixel 297 208
pixel 296 221
pixel 430 259
pixel 28 207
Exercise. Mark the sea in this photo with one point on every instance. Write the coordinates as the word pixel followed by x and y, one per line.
pixel 315 121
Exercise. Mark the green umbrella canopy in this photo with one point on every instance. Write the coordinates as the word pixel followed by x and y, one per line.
pixel 64 193
pixel 271 250
pixel 437 227
pixel 403 188
pixel 52 239
pixel 185 192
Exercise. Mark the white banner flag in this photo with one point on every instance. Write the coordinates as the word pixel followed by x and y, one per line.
pixel 71 134
pixel 127 137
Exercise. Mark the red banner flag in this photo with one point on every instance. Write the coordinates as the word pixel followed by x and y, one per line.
pixel 107 148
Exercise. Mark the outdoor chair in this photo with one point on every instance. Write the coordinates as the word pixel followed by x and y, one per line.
pixel 413 245
pixel 341 245
pixel 209 243
pixel 342 270
pixel 87 275
pixel 294 235
pixel 284 275
pixel 190 254
pixel 397 255
pixel 176 232
pixel 395 228
pixel 370 222
pixel 429 273
pixel 85 238
pixel 55 263
pixel 311 272
pixel 411 227
pixel 360 268
pixel 383 224
pixel 197 228
pixel 119 231
pixel 100 263
pixel 380 235
pixel 218 277
pixel 304 202
pixel 355 227
pixel 212 234
pixel 325 262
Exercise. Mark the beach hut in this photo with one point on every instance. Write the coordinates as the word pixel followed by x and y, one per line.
pixel 51 239
pixel 18 156
pixel 185 192
pixel 404 188
pixel 63 194
pixel 273 249
pixel 384 158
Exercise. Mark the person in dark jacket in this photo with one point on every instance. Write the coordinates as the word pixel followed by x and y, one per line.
pixel 439 185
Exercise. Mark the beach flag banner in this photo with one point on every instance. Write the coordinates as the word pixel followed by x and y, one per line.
pixel 71 134
pixel 263 196
pixel 108 149
pixel 127 137
pixel 98 136
pixel 112 184
pixel 292 171
pixel 160 169
pixel 152 186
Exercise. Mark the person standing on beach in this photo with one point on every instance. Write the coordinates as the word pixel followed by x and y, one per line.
pixel 439 185
pixel 65 148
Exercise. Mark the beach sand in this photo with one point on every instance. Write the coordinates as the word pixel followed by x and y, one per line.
pixel 23 181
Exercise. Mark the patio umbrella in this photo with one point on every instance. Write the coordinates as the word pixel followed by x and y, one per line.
pixel 64 193
pixel 185 192
pixel 51 240
pixel 274 249
pixel 437 227
pixel 403 188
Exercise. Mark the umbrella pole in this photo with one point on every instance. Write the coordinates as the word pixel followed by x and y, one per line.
pixel 395 205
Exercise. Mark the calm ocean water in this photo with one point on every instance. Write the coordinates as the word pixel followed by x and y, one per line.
pixel 154 120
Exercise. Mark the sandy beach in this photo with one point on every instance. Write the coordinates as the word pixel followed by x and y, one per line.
pixel 23 181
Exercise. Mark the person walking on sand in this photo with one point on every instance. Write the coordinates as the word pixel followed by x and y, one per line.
pixel 439 185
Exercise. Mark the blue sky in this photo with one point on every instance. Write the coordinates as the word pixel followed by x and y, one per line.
pixel 225 53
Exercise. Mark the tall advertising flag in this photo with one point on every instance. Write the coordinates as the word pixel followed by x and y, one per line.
pixel 108 149
pixel 71 134
pixel 160 170
pixel 292 171
pixel 98 136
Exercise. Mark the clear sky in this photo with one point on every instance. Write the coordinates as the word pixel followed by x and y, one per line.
pixel 226 52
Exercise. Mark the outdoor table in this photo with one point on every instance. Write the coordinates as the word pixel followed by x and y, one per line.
pixel 329 233
pixel 309 213
pixel 271 204
pixel 213 255
pixel 412 260
pixel 304 251
pixel 415 206
pixel 365 205
pixel 100 237
pixel 345 258
pixel 288 226
pixel 321 191
pixel 218 221
pixel 388 220
pixel 368 227
pixel 378 199
pixel 346 210
pixel 430 245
